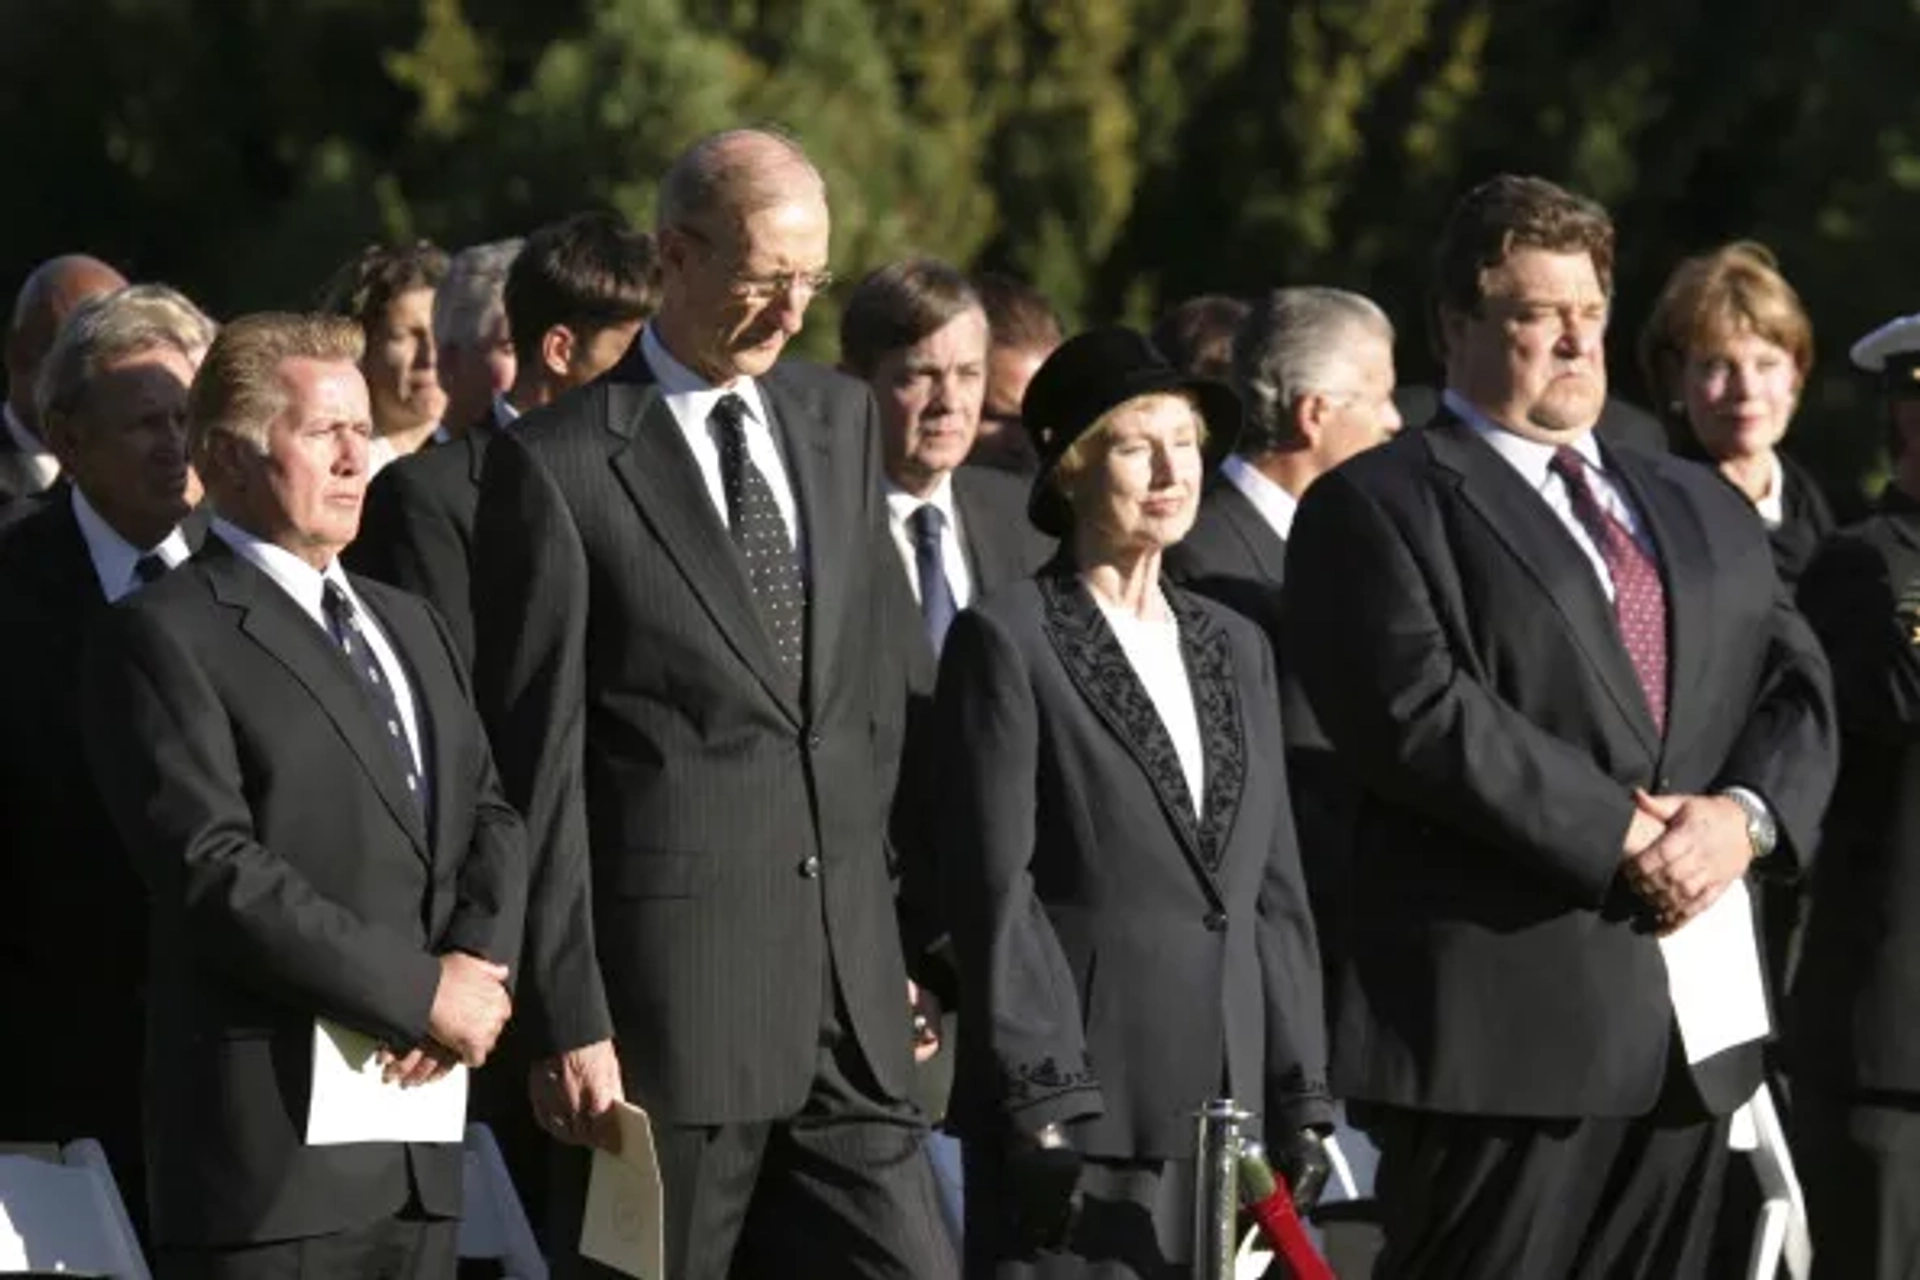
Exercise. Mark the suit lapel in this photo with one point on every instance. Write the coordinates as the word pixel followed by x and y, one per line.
pixel 660 475
pixel 1269 552
pixel 1216 704
pixel 993 546
pixel 1099 669
pixel 274 622
pixel 1535 537
pixel 824 524
pixel 1686 574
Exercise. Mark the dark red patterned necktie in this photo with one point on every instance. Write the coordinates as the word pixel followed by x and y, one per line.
pixel 1639 599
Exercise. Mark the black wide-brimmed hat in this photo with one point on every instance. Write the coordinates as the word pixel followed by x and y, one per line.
pixel 1090 374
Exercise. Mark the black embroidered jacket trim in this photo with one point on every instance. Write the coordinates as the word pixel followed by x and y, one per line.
pixel 1099 668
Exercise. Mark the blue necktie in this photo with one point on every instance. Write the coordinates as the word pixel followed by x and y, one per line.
pixel 937 609
pixel 343 621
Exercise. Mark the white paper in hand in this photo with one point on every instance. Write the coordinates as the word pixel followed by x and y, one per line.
pixel 1714 978
pixel 351 1103
pixel 623 1227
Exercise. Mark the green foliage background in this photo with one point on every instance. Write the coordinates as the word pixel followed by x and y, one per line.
pixel 1121 153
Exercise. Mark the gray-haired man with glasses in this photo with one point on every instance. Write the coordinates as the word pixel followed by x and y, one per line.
pixel 674 596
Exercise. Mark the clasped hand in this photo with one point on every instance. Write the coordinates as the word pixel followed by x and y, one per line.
pixel 1682 852
pixel 470 1009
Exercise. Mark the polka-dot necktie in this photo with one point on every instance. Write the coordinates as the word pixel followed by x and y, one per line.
pixel 1639 598
pixel 760 532
pixel 343 622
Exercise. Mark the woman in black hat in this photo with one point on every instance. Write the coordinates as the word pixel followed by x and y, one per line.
pixel 1115 836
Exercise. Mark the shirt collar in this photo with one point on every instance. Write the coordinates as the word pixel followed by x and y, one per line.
pixel 1531 458
pixel 1275 505
pixel 113 556
pixel 504 414
pixel 691 391
pixel 901 505
pixel 306 584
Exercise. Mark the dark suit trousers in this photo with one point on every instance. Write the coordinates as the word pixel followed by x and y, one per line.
pixel 1859 1160
pixel 842 1189
pixel 1469 1197
pixel 404 1247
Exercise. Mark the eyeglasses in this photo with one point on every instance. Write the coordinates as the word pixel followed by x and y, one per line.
pixel 767 288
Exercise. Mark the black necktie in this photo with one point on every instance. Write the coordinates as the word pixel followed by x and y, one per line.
pixel 937 608
pixel 760 532
pixel 343 622
pixel 150 568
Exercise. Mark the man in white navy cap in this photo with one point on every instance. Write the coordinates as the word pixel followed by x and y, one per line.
pixel 1852 1039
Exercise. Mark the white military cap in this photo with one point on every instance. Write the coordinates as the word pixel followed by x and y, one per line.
pixel 1893 352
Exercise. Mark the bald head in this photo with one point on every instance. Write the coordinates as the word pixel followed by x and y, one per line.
pixel 721 179
pixel 51 293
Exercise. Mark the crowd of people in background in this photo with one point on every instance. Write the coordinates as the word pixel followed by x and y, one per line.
pixel 922 784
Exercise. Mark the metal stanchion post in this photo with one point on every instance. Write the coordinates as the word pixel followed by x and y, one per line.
pixel 1223 1127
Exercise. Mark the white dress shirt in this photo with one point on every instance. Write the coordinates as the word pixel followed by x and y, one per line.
pixel 45 466
pixel 1773 506
pixel 1533 459
pixel 306 586
pixel 1275 505
pixel 692 399
pixel 114 557
pixel 504 414
pixel 953 556
pixel 1154 650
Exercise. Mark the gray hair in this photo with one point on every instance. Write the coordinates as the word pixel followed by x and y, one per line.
pixel 1297 342
pixel 473 291
pixel 734 172
pixel 112 327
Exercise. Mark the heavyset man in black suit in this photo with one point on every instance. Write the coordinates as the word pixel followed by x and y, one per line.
pixel 1580 708
pixel 294 763
pixel 675 598
pixel 1314 367
pixel 576 294
pixel 72 912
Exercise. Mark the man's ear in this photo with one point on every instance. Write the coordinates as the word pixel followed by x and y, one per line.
pixel 1309 413
pixel 556 351
pixel 56 430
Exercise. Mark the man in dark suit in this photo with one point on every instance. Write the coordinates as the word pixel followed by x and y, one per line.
pixel 49 295
pixel 1314 366
pixel 1023 329
pixel 293 760
pixel 1581 710
pixel 473 346
pixel 72 914
pixel 675 602
pixel 915 333
pixel 1853 1042
pixel 576 294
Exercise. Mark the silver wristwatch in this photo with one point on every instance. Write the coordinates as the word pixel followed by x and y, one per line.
pixel 1763 833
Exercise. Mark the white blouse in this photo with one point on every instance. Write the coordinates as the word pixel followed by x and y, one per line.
pixel 1154 650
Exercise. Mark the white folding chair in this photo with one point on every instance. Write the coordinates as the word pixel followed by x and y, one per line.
pixel 60 1210
pixel 1781 1234
pixel 494 1224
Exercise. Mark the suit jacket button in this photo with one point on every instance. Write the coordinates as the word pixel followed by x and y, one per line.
pixel 815 742
pixel 810 867
pixel 1216 921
